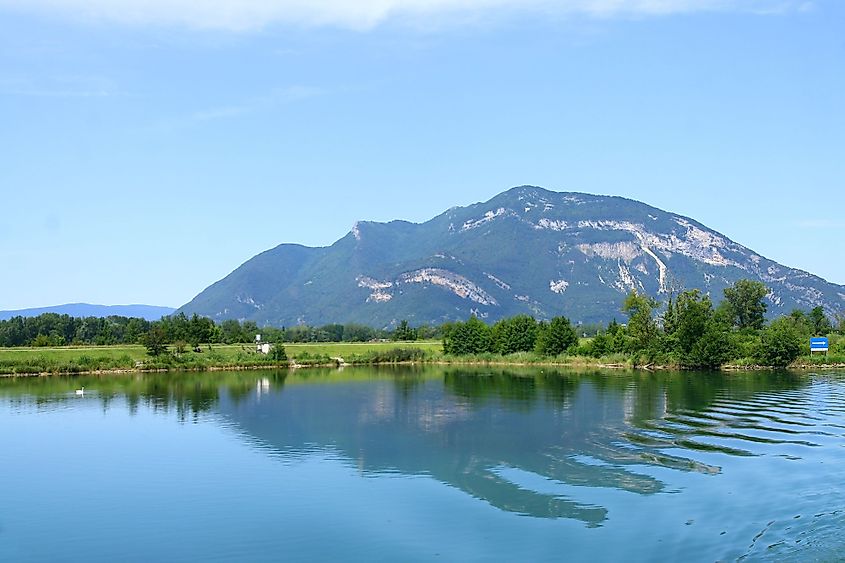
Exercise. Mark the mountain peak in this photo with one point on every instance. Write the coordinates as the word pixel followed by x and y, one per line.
pixel 534 195
pixel 526 250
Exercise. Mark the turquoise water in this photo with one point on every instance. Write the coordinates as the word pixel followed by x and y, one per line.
pixel 429 464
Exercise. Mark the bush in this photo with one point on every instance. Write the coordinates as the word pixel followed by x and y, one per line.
pixel 277 353
pixel 599 346
pixel 746 343
pixel 713 348
pixel 404 332
pixel 304 358
pixel 41 341
pixel 780 344
pixel 837 345
pixel 125 360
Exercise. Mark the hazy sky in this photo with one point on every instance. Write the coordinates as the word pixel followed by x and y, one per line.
pixel 149 147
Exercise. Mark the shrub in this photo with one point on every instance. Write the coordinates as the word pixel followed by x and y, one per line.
pixel 41 341
pixel 713 348
pixel 125 360
pixel 746 343
pixel 780 344
pixel 277 353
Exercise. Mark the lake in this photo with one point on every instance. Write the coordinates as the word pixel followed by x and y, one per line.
pixel 421 464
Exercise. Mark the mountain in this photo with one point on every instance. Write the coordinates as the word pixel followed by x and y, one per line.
pixel 149 312
pixel 527 250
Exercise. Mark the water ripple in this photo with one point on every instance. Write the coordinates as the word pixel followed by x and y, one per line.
pixel 771 423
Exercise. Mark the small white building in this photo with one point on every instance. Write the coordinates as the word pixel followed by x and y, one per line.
pixel 261 347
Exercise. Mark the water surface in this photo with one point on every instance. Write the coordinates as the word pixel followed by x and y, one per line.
pixel 423 464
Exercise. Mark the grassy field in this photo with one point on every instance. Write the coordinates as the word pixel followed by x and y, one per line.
pixel 74 359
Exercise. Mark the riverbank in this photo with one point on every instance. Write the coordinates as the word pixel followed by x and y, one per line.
pixel 99 360
pixel 134 358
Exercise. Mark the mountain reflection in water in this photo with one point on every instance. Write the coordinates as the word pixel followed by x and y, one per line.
pixel 420 463
pixel 493 434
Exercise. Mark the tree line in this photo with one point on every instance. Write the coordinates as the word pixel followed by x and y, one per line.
pixel 688 330
pixel 52 329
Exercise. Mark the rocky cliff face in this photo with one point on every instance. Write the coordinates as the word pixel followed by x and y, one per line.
pixel 527 250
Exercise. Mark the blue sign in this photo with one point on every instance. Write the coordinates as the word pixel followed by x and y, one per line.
pixel 818 345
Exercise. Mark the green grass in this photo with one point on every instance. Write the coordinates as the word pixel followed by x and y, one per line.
pixel 76 359
pixel 344 349
pixel 821 359
pixel 67 353
pixel 79 359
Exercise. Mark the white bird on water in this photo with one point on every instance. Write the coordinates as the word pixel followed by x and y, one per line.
pixel 81 392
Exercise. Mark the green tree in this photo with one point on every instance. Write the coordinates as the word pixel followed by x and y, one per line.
pixel 618 338
pixel 556 337
pixel 714 347
pixel 216 335
pixel 278 353
pixel 357 333
pixel 780 343
pixel 231 331
pixel 516 334
pixel 745 301
pixel 200 330
pixel 248 331
pixel 641 324
pixel 155 341
pixel 176 327
pixel 404 332
pixel 471 337
pixel 839 320
pixel 135 328
pixel 41 341
pixel 298 334
pixel 334 332
pixel 690 315
pixel 801 322
pixel 819 322
pixel 428 332
pixel 601 344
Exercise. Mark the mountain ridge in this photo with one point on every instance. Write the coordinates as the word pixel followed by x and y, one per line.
pixel 526 250
pixel 149 312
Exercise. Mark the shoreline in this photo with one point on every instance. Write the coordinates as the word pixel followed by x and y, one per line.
pixel 293 365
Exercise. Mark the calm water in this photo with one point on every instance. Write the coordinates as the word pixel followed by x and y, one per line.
pixel 429 464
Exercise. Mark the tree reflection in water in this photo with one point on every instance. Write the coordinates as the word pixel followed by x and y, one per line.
pixel 478 430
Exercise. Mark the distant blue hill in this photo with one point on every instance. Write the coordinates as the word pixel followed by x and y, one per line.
pixel 149 312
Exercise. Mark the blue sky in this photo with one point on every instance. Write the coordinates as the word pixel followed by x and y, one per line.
pixel 150 147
